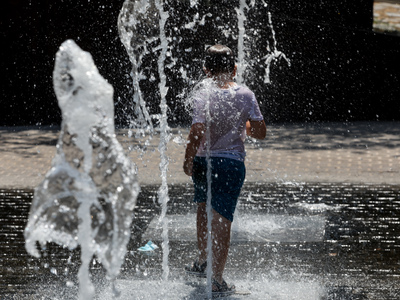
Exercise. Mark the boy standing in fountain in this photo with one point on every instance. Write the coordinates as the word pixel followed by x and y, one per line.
pixel 230 111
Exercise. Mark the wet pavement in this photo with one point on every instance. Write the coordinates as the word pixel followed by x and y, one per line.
pixel 318 218
pixel 359 152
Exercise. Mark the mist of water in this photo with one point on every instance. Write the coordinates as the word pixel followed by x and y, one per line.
pixel 142 26
pixel 88 196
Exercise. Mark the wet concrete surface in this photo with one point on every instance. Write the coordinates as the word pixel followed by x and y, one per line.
pixel 360 152
pixel 318 218
pixel 350 251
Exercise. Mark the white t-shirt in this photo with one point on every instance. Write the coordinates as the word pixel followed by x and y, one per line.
pixel 229 111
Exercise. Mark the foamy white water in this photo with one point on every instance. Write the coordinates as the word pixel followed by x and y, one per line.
pixel 88 196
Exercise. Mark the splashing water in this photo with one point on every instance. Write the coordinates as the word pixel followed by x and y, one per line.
pixel 241 15
pixel 274 53
pixel 164 138
pixel 88 196
pixel 137 34
pixel 142 31
pixel 209 196
pixel 187 34
pixel 146 29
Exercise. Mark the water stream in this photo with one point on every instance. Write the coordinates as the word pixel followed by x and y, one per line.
pixel 88 196
pixel 209 196
pixel 91 179
pixel 164 137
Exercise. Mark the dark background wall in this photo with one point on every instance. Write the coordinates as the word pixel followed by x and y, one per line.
pixel 343 70
pixel 340 69
pixel 32 31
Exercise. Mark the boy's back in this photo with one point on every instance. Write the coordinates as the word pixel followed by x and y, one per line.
pixel 229 111
pixel 233 113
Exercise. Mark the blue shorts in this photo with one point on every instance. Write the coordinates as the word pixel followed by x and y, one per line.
pixel 227 177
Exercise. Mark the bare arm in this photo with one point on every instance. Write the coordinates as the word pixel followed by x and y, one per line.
pixel 195 136
pixel 256 129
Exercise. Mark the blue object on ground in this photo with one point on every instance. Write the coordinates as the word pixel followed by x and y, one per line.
pixel 150 246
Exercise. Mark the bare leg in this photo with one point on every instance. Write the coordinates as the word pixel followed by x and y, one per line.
pixel 221 238
pixel 202 232
pixel 221 230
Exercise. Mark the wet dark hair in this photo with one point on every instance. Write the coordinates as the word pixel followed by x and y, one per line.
pixel 219 59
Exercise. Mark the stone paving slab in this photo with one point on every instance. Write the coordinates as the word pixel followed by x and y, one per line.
pixel 179 289
pixel 361 152
pixel 387 16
